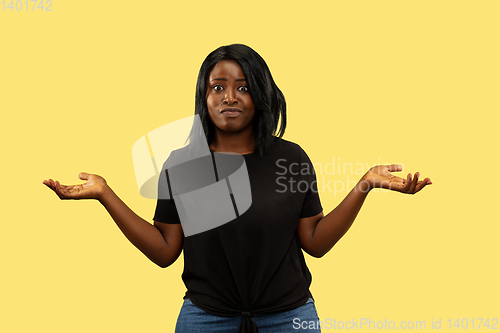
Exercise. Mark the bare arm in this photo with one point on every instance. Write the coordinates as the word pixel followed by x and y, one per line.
pixel 318 234
pixel 161 242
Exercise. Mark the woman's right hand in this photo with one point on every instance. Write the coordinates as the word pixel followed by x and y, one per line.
pixel 93 188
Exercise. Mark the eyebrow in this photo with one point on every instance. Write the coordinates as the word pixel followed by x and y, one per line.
pixel 222 79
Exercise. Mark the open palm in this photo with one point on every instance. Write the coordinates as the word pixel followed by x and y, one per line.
pixel 91 189
pixel 380 176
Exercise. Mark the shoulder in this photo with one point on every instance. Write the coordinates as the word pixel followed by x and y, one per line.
pixel 289 148
pixel 285 145
pixel 186 154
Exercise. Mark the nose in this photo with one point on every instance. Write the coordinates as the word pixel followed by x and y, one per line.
pixel 230 97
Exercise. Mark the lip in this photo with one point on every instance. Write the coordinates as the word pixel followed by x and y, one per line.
pixel 231 112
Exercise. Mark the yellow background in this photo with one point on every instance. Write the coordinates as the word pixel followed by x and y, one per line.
pixel 411 82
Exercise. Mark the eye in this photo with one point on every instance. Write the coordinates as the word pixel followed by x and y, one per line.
pixel 217 87
pixel 243 89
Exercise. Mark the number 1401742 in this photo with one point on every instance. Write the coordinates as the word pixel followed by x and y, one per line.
pixel 27 5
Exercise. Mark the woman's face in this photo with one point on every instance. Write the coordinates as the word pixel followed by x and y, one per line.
pixel 229 104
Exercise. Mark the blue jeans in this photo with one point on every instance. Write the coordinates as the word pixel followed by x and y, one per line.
pixel 194 320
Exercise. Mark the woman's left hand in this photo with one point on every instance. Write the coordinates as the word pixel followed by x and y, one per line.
pixel 380 177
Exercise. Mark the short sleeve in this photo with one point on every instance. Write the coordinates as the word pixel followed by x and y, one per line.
pixel 166 211
pixel 311 205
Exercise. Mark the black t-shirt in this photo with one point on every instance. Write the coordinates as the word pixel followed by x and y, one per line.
pixel 254 263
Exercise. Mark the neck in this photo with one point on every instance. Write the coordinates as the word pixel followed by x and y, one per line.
pixel 239 143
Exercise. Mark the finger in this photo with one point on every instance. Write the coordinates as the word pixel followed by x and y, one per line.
pixel 48 184
pixel 407 184
pixel 394 167
pixel 58 189
pixel 413 185
pixel 53 187
pixel 84 175
pixel 421 185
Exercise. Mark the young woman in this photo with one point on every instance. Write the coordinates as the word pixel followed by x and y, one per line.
pixel 249 274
